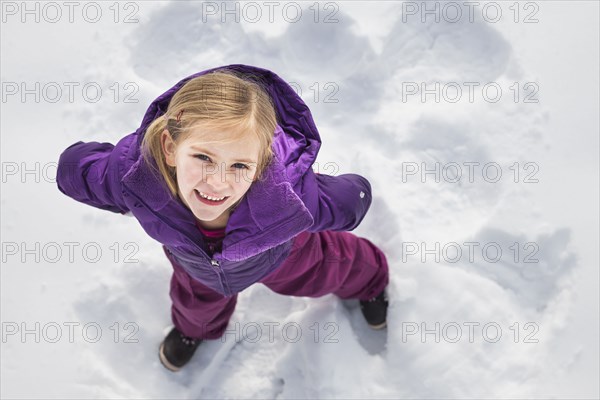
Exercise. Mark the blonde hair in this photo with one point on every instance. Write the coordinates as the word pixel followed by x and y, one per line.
pixel 215 101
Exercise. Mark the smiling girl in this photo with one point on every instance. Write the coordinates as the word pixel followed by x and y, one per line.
pixel 220 172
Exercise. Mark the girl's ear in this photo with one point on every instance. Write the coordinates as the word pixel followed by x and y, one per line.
pixel 168 148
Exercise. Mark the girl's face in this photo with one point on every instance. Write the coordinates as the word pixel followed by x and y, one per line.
pixel 211 177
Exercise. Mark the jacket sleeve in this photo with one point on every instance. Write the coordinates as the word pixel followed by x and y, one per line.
pixel 91 173
pixel 337 203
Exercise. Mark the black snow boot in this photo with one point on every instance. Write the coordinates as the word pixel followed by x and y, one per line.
pixel 176 350
pixel 375 310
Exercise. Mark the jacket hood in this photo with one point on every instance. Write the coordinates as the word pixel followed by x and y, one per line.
pixel 271 212
pixel 302 140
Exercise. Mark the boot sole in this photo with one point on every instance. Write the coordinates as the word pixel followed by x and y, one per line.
pixel 378 327
pixel 164 360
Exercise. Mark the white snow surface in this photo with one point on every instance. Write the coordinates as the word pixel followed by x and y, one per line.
pixel 292 347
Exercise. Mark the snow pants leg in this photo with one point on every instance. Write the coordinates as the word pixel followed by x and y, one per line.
pixel 320 263
pixel 327 262
pixel 198 311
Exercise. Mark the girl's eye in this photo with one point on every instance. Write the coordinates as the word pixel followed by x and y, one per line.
pixel 202 157
pixel 206 158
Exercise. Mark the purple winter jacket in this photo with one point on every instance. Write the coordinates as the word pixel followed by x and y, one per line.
pixel 291 198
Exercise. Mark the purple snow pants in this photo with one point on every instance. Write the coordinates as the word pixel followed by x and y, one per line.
pixel 319 263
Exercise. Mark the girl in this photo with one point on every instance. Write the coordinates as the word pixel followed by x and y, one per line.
pixel 220 173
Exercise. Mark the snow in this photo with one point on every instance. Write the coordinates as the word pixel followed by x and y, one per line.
pixel 291 347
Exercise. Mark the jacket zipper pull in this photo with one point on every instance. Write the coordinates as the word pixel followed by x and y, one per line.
pixel 214 263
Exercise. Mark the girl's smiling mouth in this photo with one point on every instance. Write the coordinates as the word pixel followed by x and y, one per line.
pixel 209 199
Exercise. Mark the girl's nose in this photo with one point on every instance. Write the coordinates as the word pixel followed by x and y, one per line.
pixel 216 179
